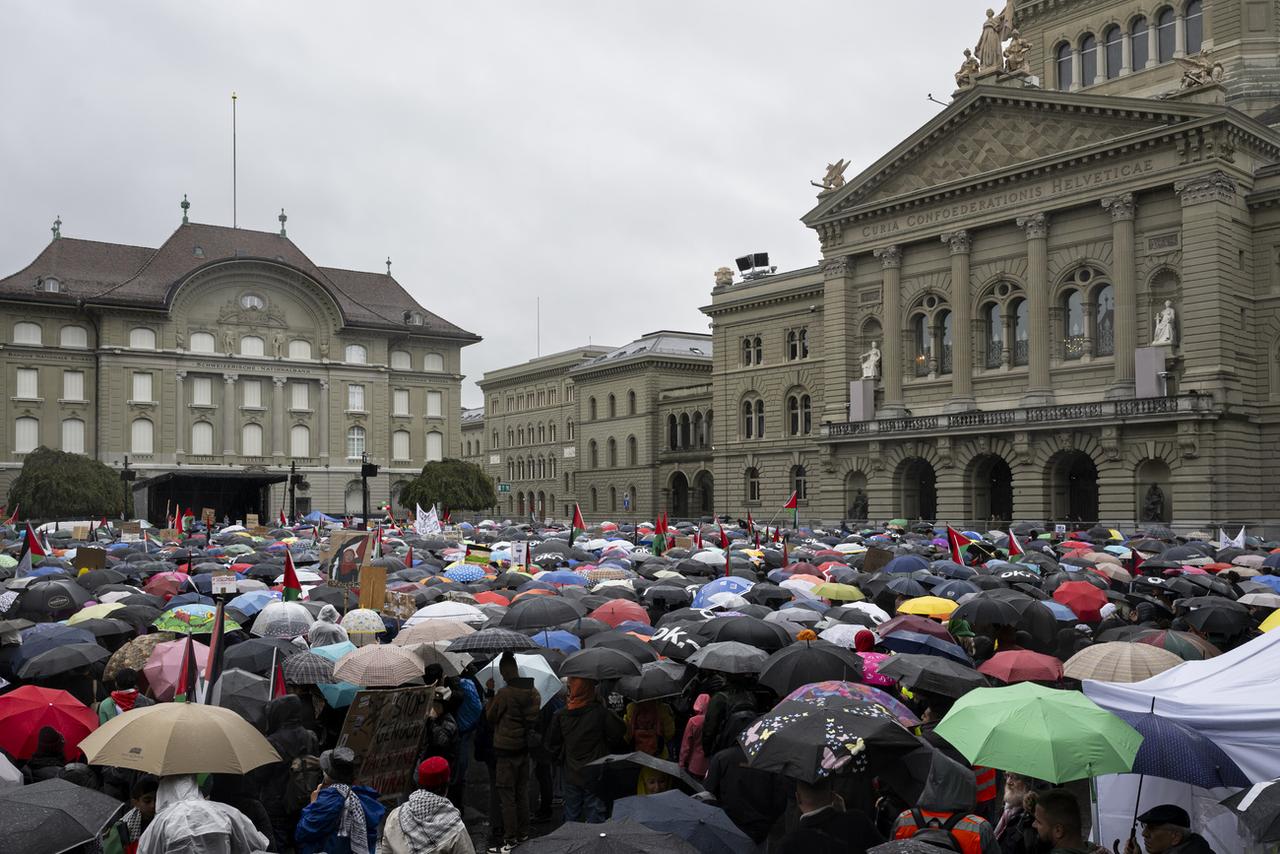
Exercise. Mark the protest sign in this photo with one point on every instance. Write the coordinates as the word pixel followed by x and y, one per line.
pixel 373 586
pixel 383 729
pixel 875 559
pixel 89 558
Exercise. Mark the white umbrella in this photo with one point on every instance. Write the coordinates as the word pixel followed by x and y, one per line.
pixel 459 611
pixel 875 612
pixel 305 576
pixel 282 620
pixel 532 666
pixel 9 775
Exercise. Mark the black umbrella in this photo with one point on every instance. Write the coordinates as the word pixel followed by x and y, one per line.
pixel 334 596
pixel 138 616
pixel 729 657
pixel 987 611
pixel 540 612
pixel 95 578
pixel 1219 621
pixel 645 760
pixel 257 655
pixel 62 659
pixel 106 628
pixel 42 599
pixel 1261 813
pixel 492 641
pixel 753 631
pixel 677 640
pixel 53 816
pixel 656 679
pixel 600 663
pixel 932 674
pixel 623 641
pixel 705 826
pixel 806 662
pixel 610 837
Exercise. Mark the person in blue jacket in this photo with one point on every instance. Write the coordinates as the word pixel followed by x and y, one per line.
pixel 342 818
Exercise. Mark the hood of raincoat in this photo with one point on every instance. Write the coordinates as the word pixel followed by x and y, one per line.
pixel 176 789
pixel 284 712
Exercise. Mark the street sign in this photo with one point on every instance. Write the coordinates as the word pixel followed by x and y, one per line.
pixel 504 487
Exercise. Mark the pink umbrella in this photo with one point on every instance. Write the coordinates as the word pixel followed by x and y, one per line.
pixel 165 663
pixel 618 611
pixel 167 584
pixel 871 669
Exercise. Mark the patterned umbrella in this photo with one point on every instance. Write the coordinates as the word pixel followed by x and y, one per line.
pixel 432 631
pixel 192 620
pixel 307 668
pixel 134 654
pixel 380 666
pixel 834 692
pixel 363 621
pixel 282 620
pixel 492 640
pixel 811 741
pixel 465 573
pixel 595 576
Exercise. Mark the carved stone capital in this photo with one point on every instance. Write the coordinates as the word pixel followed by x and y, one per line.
pixel 279 380
pixel 181 375
pixel 961 242
pixel 324 385
pixel 1215 186
pixel 1036 225
pixel 890 256
pixel 1122 207
pixel 230 378
pixel 835 268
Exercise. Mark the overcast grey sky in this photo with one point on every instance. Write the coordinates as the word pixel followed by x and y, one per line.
pixel 607 156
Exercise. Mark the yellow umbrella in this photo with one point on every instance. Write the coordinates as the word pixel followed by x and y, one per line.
pixel 928 606
pixel 1273 622
pixel 839 592
pixel 94 612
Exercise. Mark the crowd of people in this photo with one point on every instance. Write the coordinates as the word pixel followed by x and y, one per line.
pixel 797 690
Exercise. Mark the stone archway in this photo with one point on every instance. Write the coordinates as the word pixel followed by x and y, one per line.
pixel 704 494
pixel 991 489
pixel 679 495
pixel 918 489
pixel 1073 487
pixel 520 505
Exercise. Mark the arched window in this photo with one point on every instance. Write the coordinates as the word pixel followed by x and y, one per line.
pixel 793 346
pixel 252 345
pixel 73 336
pixel 612 455
pixel 520 469
pixel 203 342
pixel 142 338
pixel 73 436
pixel 921 345
pixel 613 499
pixel 299 349
pixel 1104 321
pixel 1088 60
pixel 551 432
pixel 595 502
pixel 758 346
pixel 699 431
pixel 511 469
pixel 944 342
pixel 26 435
pixel 1113 38
pixel 799 483
pixel 355 354
pixel 142 436
pixel 1166 35
pixel 520 437
pixel 591 409
pixel 1021 331
pixel 613 406
pixel 551 466
pixel 28 333
pixel 353 499
pixel 1139 43
pixel 673 429
pixel 300 441
pixel 400 445
pixel 993 333
pixel 593 457
pixel 1073 337
pixel 685 430
pixel 435 446
pixel 751 483
pixel 542 467
pixel 803 335
pixel 401 361
pixel 631 403
pixel 747 352
pixel 797 409
pixel 433 363
pixel 631 451
pixel 355 442
pixel 250 440
pixel 542 433
pixel 1064 58
pixel 568 429
pixel 1193 26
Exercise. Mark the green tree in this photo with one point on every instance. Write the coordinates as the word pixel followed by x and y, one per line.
pixel 54 484
pixel 452 484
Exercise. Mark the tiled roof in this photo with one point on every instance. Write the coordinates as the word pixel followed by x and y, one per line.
pixel 115 274
pixel 473 415
pixel 687 345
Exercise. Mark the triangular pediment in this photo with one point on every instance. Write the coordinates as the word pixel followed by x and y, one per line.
pixel 991 129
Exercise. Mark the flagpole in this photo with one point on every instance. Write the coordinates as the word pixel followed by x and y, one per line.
pixel 233 160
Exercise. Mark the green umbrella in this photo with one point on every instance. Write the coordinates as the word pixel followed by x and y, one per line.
pixel 1040 732
pixel 193 619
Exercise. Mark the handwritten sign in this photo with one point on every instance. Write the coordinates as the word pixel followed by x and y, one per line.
pixel 401 606
pixel 80 533
pixel 207 515
pixel 223 584
pixel 251 520
pixel 130 532
pixel 383 729
pixel 876 559
pixel 88 558
pixel 682 542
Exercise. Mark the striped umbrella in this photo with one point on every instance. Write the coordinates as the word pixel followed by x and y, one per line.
pixel 492 640
pixel 380 666
pixel 307 668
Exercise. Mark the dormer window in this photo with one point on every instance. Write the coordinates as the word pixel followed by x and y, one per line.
pixel 413 318
pixel 198 252
pixel 252 301
pixel 50 285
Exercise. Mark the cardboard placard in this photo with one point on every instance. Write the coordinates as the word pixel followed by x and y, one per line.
pixel 130 532
pixel 259 530
pixel 168 534
pixel 1060 529
pixel 682 543
pixel 383 729
pixel 89 558
pixel 876 559
pixel 207 515
pixel 251 520
pixel 224 584
pixel 398 605
pixel 520 553
pixel 373 587
pixel 345 569
pixel 80 533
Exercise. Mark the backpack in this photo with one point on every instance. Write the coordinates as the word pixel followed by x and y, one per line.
pixel 740 715
pixel 304 776
pixel 470 708
pixel 935 832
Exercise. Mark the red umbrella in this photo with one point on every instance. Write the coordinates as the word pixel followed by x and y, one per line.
pixel 618 611
pixel 25 710
pixel 1083 598
pixel 488 597
pixel 1022 665
pixel 166 584
pixel 915 623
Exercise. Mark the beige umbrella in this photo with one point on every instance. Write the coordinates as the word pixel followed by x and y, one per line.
pixel 432 631
pixel 1252 559
pixel 179 738
pixel 380 666
pixel 1119 661
pixel 1103 557
pixel 1115 573
pixel 451 663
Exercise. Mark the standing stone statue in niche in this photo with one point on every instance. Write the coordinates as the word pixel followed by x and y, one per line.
pixel 228 342
pixel 1153 505
pixel 990 50
pixel 179 339
pixel 871 363
pixel 1164 325
pixel 278 344
pixel 968 70
pixel 858 512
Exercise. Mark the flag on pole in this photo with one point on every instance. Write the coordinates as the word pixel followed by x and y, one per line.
pixel 188 673
pixel 217 644
pixel 724 538
pixel 278 688
pixel 408 559
pixel 660 534
pixel 284 522
pixel 1015 548
pixel 793 504
pixel 14 518
pixel 752 526
pixel 33 544
pixel 1223 542
pixel 177 523
pixel 786 561
pixel 955 542
pixel 292 588
pixel 1238 542
pixel 576 525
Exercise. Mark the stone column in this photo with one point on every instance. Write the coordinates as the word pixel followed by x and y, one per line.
pixel 323 422
pixel 838 337
pixel 1126 54
pixel 229 415
pixel 1124 275
pixel 1039 391
pixel 277 418
pixel 961 323
pixel 1077 69
pixel 891 308
pixel 179 421
pixel 1153 47
pixel 1179 36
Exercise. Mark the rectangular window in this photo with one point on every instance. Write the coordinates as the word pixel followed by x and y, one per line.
pixel 435 404
pixel 73 436
pixel 202 391
pixel 400 445
pixel 400 404
pixel 26 435
pixel 299 397
pixel 355 398
pixel 28 383
pixel 141 387
pixel 73 385
pixel 252 393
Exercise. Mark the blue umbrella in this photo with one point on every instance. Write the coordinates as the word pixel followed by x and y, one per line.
pixel 705 827
pixel 465 573
pixel 1272 581
pixel 906 563
pixel 907 587
pixel 728 584
pixel 43 637
pixel 188 599
pixel 920 643
pixel 1061 612
pixel 558 639
pixel 1174 751
pixel 334 651
pixel 254 601
pixel 955 589
pixel 563 576
pixel 338 694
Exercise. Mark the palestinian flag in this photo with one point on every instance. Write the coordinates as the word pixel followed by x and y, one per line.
pixel 724 544
pixel 284 523
pixel 577 526
pixel 217 645
pixel 660 534
pixel 1015 548
pixel 177 522
pixel 292 588
pixel 955 542
pixel 408 559
pixel 14 518
pixel 33 545
pixel 188 673
pixel 793 504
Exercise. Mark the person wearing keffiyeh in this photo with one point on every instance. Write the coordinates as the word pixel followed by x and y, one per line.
pixel 342 818
pixel 427 823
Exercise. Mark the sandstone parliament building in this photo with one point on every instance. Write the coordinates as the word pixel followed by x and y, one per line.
pixel 1059 293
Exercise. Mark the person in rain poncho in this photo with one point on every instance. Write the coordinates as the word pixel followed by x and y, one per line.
pixel 325 630
pixel 342 818
pixel 186 823
pixel 427 823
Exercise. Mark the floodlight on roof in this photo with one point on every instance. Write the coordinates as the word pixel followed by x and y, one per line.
pixel 755 265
